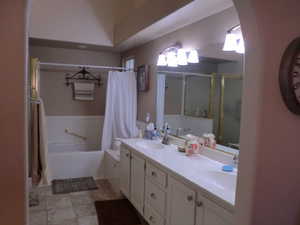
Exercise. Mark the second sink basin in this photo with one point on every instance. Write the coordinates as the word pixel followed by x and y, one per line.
pixel 223 180
pixel 150 144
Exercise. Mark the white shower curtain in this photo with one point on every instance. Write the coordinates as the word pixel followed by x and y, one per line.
pixel 121 108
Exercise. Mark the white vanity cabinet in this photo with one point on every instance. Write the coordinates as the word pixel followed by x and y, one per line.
pixel 185 208
pixel 163 197
pixel 125 163
pixel 208 213
pixel 181 204
pixel 137 182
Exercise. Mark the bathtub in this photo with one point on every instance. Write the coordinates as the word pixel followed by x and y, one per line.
pixel 75 160
pixel 112 168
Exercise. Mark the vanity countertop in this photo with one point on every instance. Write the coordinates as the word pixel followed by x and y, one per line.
pixel 198 170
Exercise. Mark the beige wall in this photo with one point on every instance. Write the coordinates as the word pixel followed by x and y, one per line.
pixel 80 21
pixel 12 114
pixel 268 184
pixel 58 98
pixel 206 35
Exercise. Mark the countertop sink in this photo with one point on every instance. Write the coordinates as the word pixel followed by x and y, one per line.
pixel 148 144
pixel 224 180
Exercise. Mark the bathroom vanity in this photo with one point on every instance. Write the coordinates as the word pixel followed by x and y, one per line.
pixel 169 188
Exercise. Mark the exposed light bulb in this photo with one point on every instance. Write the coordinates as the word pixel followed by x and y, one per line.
pixel 172 59
pixel 240 48
pixel 181 57
pixel 230 42
pixel 161 60
pixel 193 56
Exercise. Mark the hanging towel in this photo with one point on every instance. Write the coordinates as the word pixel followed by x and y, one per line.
pixel 121 108
pixel 38 142
pixel 84 91
pixel 39 145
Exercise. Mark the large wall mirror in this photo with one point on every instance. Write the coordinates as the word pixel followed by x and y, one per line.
pixel 203 97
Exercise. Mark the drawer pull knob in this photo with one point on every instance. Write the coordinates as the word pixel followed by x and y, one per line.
pixel 190 198
pixel 127 154
pixel 153 174
pixel 152 195
pixel 199 203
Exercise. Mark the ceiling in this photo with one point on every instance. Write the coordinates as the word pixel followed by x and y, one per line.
pixel 191 13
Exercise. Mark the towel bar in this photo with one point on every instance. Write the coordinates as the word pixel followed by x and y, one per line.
pixel 74 134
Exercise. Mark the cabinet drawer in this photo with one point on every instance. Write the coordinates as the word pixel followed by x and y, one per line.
pixel 156 175
pixel 155 197
pixel 152 217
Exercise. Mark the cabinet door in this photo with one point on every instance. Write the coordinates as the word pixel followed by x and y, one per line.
pixel 125 171
pixel 137 182
pixel 209 213
pixel 181 204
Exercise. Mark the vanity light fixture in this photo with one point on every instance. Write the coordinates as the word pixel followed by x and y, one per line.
pixel 193 56
pixel 182 57
pixel 176 55
pixel 162 61
pixel 234 40
pixel 172 59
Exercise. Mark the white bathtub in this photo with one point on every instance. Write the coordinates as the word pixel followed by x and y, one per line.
pixel 75 160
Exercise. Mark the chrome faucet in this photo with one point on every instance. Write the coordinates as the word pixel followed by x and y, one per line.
pixel 235 160
pixel 165 139
pixel 178 131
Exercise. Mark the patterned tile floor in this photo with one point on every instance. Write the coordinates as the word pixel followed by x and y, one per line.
pixel 70 209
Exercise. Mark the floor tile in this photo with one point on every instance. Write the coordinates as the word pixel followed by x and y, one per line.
pixel 76 208
pixel 40 206
pixel 67 222
pixel 105 191
pixel 88 220
pixel 80 193
pixel 81 199
pixel 58 216
pixel 38 218
pixel 98 195
pixel 85 210
pixel 59 201
pixel 45 191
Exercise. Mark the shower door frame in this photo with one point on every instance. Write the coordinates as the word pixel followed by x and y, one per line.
pixel 220 131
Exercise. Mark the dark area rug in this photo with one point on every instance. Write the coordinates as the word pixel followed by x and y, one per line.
pixel 65 186
pixel 116 212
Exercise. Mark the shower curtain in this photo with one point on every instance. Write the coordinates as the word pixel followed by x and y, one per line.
pixel 38 131
pixel 121 108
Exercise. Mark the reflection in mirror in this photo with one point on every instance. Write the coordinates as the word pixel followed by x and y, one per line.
pixel 202 98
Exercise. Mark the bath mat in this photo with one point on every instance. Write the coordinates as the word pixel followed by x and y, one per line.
pixel 116 212
pixel 65 186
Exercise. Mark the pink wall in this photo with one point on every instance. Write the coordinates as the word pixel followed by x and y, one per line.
pixel 269 181
pixel 12 113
